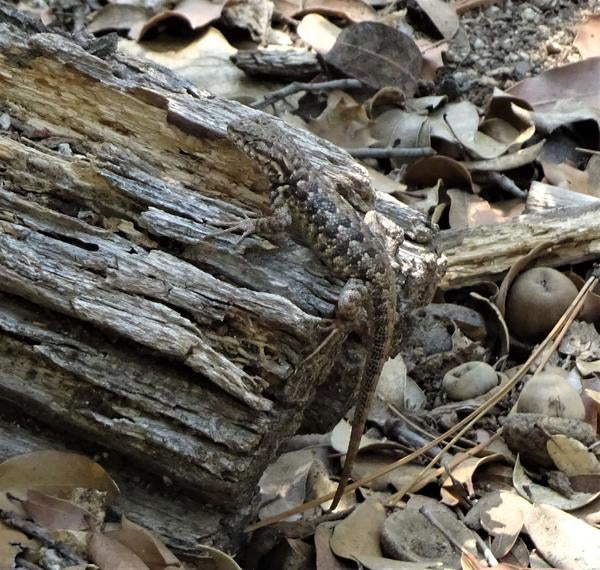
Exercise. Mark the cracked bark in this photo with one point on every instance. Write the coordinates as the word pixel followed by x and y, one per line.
pixel 118 325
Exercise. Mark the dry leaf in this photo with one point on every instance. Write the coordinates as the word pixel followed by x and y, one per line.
pixel 463 120
pixel 442 15
pixel 433 60
pixel 325 558
pixel 351 10
pixel 118 17
pixel 359 534
pixel 378 55
pixel 343 122
pixel 57 514
pixel 340 437
pixel 562 539
pixel 196 13
pixel 110 554
pixel 220 560
pixel 283 484
pixel 587 40
pixel 569 177
pixel 427 171
pixel 463 474
pixel 537 493
pixel 370 462
pixel 507 161
pixel 468 210
pixel 61 469
pixel 576 83
pixel 205 62
pixel 10 541
pixel 319 33
pixel 502 516
pixel 571 456
pixel 145 544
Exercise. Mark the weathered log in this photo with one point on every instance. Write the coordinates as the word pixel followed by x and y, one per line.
pixel 293 64
pixel 119 321
pixel 487 252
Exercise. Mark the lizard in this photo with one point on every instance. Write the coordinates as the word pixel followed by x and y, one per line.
pixel 306 203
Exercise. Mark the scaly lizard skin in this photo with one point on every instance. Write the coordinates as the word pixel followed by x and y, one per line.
pixel 303 201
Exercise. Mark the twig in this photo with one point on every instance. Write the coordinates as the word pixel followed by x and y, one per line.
pixel 391 152
pixel 33 530
pixel 587 150
pixel 502 181
pixel 298 86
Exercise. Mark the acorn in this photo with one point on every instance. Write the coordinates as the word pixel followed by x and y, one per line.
pixel 469 380
pixel 550 393
pixel 536 301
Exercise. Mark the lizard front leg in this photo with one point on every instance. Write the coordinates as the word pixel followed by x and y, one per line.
pixel 279 221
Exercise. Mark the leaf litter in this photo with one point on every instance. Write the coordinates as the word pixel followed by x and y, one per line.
pixel 477 133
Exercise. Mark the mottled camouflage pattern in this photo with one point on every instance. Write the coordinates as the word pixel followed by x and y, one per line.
pixel 303 198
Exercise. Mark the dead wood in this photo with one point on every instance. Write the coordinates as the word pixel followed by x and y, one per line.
pixel 291 63
pixel 486 252
pixel 118 322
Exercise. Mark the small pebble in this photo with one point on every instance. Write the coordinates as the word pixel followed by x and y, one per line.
pixel 522 69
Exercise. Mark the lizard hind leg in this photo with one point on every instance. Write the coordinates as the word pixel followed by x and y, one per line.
pixel 349 313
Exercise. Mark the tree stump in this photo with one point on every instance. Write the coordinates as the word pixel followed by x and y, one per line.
pixel 119 322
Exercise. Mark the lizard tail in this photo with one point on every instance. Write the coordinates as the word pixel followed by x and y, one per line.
pixel 376 358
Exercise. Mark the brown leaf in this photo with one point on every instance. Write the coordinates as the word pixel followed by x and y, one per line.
pixel 343 122
pixel 319 33
pixel 195 13
pixel 219 560
pixel 378 55
pixel 468 210
pixel 463 474
pixel 540 494
pixel 432 53
pixel 587 40
pixel 576 82
pixel 442 15
pixel 49 468
pixel 325 558
pixel 502 516
pixel 118 17
pixel 567 176
pixel 145 544
pixel 571 456
pixel 110 554
pixel 351 10
pixel 10 540
pixel 57 514
pixel 359 534
pixel 562 539
pixel 427 171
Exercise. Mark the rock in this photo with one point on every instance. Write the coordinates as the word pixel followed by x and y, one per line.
pixel 527 434
pixel 408 535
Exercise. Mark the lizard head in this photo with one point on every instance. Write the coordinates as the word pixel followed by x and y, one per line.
pixel 260 137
